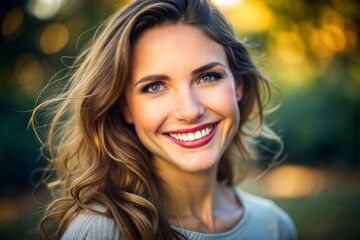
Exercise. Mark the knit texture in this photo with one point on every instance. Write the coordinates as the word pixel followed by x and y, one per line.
pixel 262 220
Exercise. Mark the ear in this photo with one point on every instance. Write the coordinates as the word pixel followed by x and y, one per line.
pixel 239 88
pixel 128 117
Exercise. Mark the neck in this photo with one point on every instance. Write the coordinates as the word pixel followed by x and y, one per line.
pixel 196 201
pixel 191 198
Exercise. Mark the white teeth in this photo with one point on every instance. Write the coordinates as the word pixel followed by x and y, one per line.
pixel 185 137
pixel 174 136
pixel 197 135
pixel 203 133
pixel 191 136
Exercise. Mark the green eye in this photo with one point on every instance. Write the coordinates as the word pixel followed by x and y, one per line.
pixel 153 87
pixel 210 77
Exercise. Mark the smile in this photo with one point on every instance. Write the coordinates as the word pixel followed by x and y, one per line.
pixel 193 138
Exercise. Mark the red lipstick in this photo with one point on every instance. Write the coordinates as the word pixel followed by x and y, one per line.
pixel 196 142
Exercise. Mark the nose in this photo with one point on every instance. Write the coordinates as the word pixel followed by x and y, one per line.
pixel 188 106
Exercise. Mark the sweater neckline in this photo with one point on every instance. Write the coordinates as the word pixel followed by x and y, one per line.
pixel 241 222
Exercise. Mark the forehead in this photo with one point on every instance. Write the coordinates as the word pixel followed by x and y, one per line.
pixel 172 46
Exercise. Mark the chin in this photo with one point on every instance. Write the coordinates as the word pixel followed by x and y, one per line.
pixel 196 164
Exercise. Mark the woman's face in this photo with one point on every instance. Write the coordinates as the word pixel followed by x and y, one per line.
pixel 182 98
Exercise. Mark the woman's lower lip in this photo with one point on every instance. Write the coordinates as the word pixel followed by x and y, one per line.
pixel 196 143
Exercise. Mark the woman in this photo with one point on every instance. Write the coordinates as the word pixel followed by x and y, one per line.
pixel 159 111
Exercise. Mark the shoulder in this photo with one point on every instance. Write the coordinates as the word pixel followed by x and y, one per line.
pixel 91 226
pixel 264 210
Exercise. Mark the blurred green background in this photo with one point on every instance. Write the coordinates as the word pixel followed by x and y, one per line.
pixel 310 49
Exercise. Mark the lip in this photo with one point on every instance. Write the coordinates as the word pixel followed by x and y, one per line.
pixel 196 143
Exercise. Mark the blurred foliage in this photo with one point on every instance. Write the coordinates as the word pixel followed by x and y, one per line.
pixel 310 49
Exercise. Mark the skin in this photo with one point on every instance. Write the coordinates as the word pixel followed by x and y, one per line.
pixel 180 80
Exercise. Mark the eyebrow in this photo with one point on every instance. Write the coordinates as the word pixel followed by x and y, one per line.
pixel 207 67
pixel 151 78
pixel 161 77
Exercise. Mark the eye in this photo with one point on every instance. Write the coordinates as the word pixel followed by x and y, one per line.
pixel 154 87
pixel 210 77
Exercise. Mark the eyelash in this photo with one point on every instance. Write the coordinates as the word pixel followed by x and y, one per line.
pixel 147 87
pixel 214 75
pixel 214 78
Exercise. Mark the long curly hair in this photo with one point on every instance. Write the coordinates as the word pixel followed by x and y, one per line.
pixel 98 159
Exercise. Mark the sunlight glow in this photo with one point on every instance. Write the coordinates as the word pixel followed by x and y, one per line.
pixel 226 4
pixel 290 48
pixel 251 16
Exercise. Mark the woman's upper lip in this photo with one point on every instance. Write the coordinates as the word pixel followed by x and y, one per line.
pixel 194 129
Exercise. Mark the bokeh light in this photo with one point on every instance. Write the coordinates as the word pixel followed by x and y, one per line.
pixel 291 181
pixel 289 48
pixel 13 24
pixel 9 211
pixel 251 16
pixel 53 38
pixel 44 9
pixel 29 73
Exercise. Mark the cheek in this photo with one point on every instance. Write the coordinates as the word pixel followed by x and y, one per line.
pixel 223 100
pixel 148 115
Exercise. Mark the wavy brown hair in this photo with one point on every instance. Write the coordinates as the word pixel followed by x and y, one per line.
pixel 98 159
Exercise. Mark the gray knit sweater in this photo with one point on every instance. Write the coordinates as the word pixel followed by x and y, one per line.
pixel 262 220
